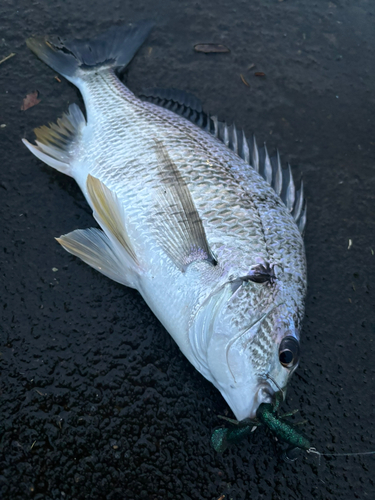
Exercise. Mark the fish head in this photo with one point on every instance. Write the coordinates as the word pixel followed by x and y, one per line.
pixel 254 348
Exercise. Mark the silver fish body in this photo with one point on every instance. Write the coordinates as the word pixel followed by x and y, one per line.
pixel 227 276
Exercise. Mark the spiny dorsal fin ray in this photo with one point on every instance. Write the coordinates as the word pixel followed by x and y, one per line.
pixel 289 189
pixel 55 143
pixel 299 203
pixel 269 168
pixel 95 248
pixel 178 227
pixel 109 213
pixel 301 222
pixel 277 173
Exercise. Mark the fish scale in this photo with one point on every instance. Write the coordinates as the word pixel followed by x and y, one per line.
pixel 139 122
pixel 184 219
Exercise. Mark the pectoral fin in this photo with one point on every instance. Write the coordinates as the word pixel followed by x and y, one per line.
pixel 95 248
pixel 178 227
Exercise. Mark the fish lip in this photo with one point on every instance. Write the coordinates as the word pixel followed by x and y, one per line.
pixel 279 390
pixel 264 394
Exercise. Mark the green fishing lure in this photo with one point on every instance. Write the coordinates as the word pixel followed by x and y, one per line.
pixel 266 415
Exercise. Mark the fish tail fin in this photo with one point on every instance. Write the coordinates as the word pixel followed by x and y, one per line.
pixel 114 48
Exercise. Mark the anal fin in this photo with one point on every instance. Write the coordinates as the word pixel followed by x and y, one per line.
pixel 95 248
pixel 55 143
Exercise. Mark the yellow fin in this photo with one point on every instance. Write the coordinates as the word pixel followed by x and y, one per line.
pixel 55 144
pixel 95 248
pixel 109 213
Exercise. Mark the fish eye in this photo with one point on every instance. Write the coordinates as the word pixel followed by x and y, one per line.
pixel 289 352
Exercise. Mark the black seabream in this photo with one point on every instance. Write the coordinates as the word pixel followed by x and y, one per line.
pixel 193 215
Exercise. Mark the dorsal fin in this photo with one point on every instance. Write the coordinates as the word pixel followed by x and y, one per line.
pixel 180 102
pixel 281 179
pixel 171 96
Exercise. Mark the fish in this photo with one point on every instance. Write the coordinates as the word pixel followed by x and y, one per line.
pixel 191 213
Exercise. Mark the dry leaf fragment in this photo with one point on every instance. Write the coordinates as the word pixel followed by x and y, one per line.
pixel 259 73
pixel 211 48
pixel 30 100
pixel 244 81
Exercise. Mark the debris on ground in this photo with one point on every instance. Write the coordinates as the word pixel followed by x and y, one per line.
pixel 211 48
pixel 30 100
pixel 7 57
pixel 244 81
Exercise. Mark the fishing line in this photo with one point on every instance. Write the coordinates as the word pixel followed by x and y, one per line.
pixel 277 385
pixel 316 452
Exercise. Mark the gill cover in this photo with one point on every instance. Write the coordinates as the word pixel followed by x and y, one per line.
pixel 237 347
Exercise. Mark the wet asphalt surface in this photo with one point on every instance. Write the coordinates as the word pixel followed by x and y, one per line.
pixel 96 400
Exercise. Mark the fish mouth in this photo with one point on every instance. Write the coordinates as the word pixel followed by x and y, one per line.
pixel 269 392
pixel 264 394
pixel 279 393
